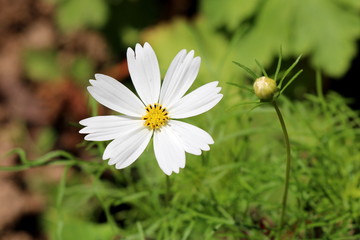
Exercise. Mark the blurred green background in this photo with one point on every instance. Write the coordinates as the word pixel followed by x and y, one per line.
pixel 49 49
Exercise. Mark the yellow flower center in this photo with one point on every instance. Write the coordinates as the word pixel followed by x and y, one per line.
pixel 156 116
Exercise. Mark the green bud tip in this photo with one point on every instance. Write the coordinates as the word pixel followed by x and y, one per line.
pixel 265 88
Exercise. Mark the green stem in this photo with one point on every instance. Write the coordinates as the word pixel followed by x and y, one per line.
pixel 288 164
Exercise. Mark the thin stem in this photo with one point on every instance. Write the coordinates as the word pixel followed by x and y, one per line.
pixel 288 164
pixel 319 90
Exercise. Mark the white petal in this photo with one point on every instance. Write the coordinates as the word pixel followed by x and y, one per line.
pixel 104 128
pixel 194 139
pixel 170 77
pixel 114 95
pixel 124 150
pixel 145 73
pixel 198 101
pixel 113 148
pixel 169 151
pixel 179 77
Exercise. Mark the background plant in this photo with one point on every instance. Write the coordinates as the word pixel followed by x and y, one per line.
pixel 234 190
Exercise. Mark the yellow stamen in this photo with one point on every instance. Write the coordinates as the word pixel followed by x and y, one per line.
pixel 156 116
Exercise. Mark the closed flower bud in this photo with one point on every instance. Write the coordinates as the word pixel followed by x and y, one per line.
pixel 265 88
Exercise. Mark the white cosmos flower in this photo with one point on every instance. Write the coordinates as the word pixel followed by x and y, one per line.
pixel 154 112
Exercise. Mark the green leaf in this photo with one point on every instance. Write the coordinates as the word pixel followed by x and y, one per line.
pixel 76 14
pixel 229 13
pixel 248 70
pixel 290 81
pixel 352 5
pixel 46 140
pixel 168 39
pixel 278 66
pixel 82 68
pixel 42 65
pixel 287 71
pixel 262 68
pixel 250 90
pixel 269 31
pixel 325 31
pixel 328 32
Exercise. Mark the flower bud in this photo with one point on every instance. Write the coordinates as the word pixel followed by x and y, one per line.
pixel 265 88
